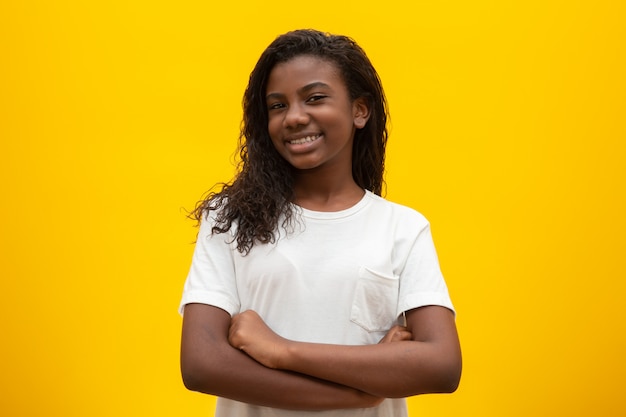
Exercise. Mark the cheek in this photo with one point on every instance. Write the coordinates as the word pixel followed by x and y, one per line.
pixel 273 127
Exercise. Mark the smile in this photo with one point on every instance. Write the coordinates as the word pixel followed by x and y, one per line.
pixel 305 139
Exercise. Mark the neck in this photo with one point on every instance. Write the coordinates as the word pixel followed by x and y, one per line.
pixel 326 194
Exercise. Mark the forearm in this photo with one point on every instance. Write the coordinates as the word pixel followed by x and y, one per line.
pixel 210 365
pixel 430 362
pixel 399 369
pixel 236 376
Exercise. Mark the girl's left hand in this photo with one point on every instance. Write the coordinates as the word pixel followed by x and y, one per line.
pixel 249 333
pixel 397 334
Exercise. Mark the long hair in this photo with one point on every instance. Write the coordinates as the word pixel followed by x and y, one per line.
pixel 263 188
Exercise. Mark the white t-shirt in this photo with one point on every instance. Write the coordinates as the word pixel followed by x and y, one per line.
pixel 334 277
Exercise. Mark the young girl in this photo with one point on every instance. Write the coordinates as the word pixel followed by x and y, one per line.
pixel 309 294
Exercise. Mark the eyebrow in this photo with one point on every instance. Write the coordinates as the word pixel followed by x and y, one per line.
pixel 306 88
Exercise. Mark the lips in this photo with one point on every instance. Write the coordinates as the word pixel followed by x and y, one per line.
pixel 304 139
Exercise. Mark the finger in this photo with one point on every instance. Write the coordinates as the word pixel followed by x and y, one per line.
pixel 401 335
pixel 390 334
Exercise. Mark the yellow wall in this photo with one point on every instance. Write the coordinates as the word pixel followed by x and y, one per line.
pixel 508 134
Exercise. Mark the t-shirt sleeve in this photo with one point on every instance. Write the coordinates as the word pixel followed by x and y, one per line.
pixel 421 281
pixel 211 279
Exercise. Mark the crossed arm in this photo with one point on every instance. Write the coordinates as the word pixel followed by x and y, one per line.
pixel 246 361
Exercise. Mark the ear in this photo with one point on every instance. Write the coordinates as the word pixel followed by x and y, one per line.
pixel 361 112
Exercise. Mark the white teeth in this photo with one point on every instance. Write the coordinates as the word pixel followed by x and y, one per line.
pixel 304 140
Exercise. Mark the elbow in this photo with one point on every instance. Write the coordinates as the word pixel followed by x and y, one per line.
pixel 196 377
pixel 449 384
pixel 191 383
pixel 191 378
pixel 449 377
pixel 441 379
pixel 447 372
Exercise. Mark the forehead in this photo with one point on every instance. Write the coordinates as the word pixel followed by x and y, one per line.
pixel 303 70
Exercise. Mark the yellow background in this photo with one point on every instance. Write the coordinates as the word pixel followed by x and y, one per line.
pixel 508 131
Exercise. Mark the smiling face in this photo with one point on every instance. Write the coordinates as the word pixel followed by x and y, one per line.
pixel 311 118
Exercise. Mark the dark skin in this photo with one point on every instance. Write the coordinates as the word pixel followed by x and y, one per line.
pixel 312 122
pixel 427 358
pixel 402 364
pixel 307 97
pixel 211 365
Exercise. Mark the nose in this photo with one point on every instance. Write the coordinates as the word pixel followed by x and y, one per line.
pixel 295 116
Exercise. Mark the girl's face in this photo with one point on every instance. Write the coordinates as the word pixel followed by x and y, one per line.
pixel 312 119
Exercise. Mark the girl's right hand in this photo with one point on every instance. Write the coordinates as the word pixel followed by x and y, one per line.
pixel 249 333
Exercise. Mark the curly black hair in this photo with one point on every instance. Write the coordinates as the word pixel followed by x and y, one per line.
pixel 262 190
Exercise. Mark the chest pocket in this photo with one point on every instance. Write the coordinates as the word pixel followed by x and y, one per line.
pixel 375 301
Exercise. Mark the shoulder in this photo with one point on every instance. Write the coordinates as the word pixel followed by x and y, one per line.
pixel 215 220
pixel 396 213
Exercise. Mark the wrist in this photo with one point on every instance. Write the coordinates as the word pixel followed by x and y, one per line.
pixel 284 359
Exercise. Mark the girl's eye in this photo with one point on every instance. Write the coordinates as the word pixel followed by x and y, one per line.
pixel 316 97
pixel 274 106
